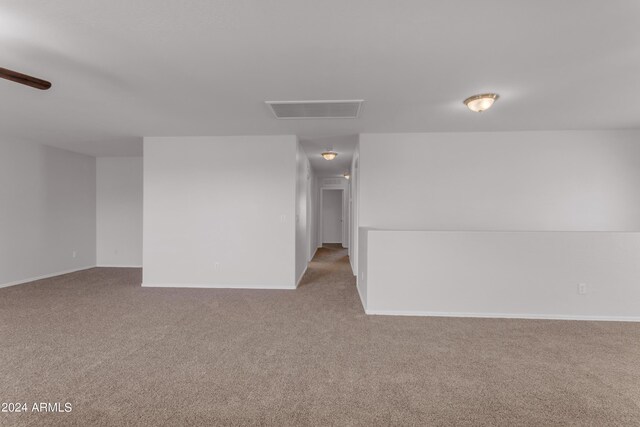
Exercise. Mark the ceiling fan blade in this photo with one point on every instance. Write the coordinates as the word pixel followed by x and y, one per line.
pixel 24 79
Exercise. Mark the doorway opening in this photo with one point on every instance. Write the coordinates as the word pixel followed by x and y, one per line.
pixel 332 217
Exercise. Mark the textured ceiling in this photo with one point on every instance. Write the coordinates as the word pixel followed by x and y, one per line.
pixel 124 69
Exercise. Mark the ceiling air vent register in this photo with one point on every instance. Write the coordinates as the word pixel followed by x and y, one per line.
pixel 344 109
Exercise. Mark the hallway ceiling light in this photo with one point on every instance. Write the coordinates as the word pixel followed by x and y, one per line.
pixel 479 103
pixel 347 175
pixel 329 155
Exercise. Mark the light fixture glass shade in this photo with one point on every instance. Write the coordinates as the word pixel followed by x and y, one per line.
pixel 329 155
pixel 347 175
pixel 479 103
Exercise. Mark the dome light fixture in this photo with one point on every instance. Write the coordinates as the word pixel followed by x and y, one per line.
pixel 329 155
pixel 479 103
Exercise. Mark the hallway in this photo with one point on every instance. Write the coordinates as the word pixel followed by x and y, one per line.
pixel 123 354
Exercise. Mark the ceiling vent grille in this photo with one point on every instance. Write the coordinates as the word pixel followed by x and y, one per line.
pixel 346 109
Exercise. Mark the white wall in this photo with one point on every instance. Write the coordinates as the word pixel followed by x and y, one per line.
pixel 314 214
pixel 333 183
pixel 503 274
pixel 220 211
pixel 568 180
pixel 47 211
pixel 354 220
pixel 332 211
pixel 362 271
pixel 119 211
pixel 303 232
pixel 550 185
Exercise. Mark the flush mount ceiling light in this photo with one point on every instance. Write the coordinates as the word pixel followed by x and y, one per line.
pixel 479 103
pixel 329 155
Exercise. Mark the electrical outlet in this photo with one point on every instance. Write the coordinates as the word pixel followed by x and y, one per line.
pixel 216 265
pixel 74 254
pixel 582 288
pixel 283 218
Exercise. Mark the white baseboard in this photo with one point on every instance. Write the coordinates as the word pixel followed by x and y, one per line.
pixel 45 276
pixel 118 266
pixel 302 275
pixel 313 255
pixel 215 286
pixel 504 315
pixel 364 306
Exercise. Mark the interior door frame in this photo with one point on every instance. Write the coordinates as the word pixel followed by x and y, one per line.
pixel 321 216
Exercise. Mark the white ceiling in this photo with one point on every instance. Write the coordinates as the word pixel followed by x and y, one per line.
pixel 124 69
pixel 343 145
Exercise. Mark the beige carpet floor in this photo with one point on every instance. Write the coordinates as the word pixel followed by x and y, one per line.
pixel 126 355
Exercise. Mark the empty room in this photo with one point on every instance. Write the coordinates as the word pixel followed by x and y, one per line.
pixel 309 213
